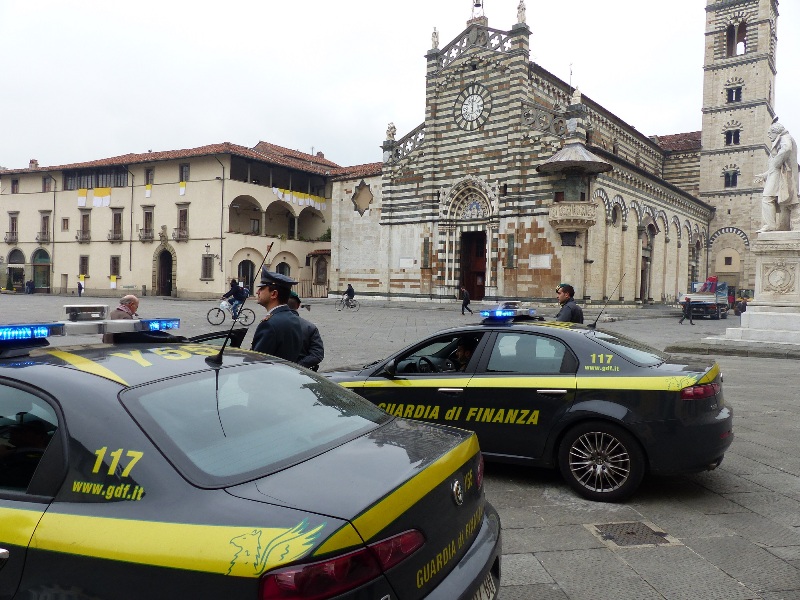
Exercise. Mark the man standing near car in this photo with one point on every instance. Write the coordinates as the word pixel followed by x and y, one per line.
pixel 570 312
pixel 280 333
pixel 313 351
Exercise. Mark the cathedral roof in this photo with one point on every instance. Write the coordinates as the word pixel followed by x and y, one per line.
pixel 679 142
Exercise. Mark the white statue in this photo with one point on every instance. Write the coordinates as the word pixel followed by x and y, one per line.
pixel 521 11
pixel 391 131
pixel 435 39
pixel 576 96
pixel 779 197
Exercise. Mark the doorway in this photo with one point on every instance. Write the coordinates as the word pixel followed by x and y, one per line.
pixel 164 279
pixel 246 274
pixel 473 263
pixel 41 271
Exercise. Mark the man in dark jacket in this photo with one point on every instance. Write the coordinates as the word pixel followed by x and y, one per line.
pixel 237 295
pixel 313 351
pixel 280 333
pixel 465 301
pixel 570 312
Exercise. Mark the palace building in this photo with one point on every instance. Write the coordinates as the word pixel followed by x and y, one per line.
pixel 513 183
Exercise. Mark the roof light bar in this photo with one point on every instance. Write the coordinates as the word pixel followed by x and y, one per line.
pixel 30 331
pixel 498 313
pixel 159 324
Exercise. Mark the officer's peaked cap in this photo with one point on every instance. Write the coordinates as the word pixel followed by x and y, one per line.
pixel 276 279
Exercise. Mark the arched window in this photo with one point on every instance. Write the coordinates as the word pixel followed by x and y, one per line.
pixel 284 269
pixel 736 39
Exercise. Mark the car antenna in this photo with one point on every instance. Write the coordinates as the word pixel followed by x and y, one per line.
pixel 594 325
pixel 217 359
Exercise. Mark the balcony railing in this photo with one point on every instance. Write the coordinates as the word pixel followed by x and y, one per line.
pixel 83 236
pixel 115 236
pixel 11 237
pixel 146 235
pixel 43 237
pixel 180 235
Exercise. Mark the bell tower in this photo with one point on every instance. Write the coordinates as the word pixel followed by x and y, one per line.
pixel 738 108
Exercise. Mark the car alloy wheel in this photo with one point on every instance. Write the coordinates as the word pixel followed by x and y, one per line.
pixel 601 461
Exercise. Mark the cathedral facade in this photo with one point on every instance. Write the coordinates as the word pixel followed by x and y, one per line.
pixel 516 182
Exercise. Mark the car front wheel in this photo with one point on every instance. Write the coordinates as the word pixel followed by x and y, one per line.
pixel 601 461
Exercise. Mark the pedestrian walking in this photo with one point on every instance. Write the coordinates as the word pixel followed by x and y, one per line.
pixel 280 333
pixel 313 350
pixel 465 301
pixel 687 311
pixel 570 312
pixel 80 289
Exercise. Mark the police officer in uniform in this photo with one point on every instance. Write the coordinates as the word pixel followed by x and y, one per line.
pixel 313 350
pixel 280 333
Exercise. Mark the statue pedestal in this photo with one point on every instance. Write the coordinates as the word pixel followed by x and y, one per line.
pixel 773 317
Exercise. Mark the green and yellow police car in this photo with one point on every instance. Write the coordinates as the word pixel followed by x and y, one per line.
pixel 603 408
pixel 166 467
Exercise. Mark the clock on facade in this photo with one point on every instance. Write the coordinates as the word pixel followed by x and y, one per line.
pixel 472 107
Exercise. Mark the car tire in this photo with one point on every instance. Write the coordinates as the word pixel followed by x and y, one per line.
pixel 601 461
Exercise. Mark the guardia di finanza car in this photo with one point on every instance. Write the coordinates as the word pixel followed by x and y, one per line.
pixel 167 469
pixel 603 408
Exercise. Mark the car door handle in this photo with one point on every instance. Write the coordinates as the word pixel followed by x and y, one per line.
pixel 3 554
pixel 551 392
pixel 451 390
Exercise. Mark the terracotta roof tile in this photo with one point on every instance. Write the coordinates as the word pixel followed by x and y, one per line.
pixel 354 172
pixel 149 157
pixel 679 141
pixel 268 149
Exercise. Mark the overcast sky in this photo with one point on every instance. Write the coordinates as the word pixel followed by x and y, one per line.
pixel 85 79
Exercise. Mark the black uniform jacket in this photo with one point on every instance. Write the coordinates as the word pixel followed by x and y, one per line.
pixel 280 334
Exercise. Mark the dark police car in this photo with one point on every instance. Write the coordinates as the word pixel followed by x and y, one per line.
pixel 603 408
pixel 161 467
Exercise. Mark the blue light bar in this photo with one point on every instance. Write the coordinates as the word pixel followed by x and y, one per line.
pixel 160 324
pixel 30 331
pixel 498 314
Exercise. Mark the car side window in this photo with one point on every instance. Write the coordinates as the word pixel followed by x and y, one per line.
pixel 440 354
pixel 27 424
pixel 525 353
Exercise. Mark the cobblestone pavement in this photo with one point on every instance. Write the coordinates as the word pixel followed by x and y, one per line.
pixel 735 530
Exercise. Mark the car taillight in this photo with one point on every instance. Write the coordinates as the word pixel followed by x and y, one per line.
pixel 698 392
pixel 479 476
pixel 329 578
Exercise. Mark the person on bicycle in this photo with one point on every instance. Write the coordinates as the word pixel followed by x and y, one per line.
pixel 349 294
pixel 237 295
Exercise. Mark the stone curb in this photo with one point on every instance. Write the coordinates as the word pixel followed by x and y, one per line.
pixel 701 348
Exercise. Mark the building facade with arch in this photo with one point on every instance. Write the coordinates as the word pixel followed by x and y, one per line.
pixel 516 182
pixel 178 223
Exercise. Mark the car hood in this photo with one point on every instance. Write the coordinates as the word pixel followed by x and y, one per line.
pixel 345 374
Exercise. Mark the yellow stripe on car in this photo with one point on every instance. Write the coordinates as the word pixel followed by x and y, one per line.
pixel 381 514
pixel 87 366
pixel 239 551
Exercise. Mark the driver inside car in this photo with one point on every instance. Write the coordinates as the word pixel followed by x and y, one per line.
pixel 463 353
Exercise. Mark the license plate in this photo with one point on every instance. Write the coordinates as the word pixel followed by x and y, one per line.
pixel 488 589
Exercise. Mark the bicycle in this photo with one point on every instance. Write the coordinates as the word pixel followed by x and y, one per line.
pixel 216 316
pixel 346 303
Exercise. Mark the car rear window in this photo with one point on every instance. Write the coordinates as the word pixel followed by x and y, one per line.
pixel 636 352
pixel 231 425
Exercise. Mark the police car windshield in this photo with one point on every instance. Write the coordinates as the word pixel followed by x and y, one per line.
pixel 636 352
pixel 232 425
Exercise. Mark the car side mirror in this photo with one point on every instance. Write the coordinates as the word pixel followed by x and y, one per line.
pixel 390 368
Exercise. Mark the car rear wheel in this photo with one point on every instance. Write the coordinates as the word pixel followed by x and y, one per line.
pixel 601 461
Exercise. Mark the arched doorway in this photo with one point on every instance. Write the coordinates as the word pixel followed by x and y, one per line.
pixel 246 274
pixel 16 271
pixel 164 278
pixel 41 271
pixel 647 238
pixel 473 263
